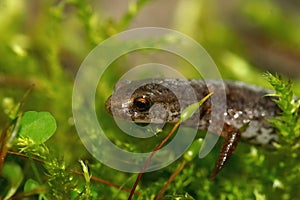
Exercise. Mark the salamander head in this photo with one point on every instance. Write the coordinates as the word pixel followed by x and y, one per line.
pixel 143 102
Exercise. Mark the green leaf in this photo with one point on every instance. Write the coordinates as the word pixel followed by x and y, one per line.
pixel 30 185
pixel 39 126
pixel 193 150
pixel 14 175
pixel 191 109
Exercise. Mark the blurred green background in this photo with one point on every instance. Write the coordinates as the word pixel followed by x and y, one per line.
pixel 44 42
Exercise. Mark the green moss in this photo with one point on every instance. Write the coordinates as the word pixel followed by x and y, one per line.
pixel 45 42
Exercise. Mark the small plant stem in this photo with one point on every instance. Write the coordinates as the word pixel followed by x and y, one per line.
pixel 104 182
pixel 19 82
pixel 24 156
pixel 35 171
pixel 3 147
pixel 150 157
pixel 6 135
pixel 172 177
pixel 22 195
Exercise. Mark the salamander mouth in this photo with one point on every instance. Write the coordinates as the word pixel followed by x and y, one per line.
pixel 142 124
pixel 108 105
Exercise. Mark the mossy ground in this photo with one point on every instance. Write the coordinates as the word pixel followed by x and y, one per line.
pixel 45 42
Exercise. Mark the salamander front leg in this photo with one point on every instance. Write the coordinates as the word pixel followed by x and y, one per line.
pixel 232 138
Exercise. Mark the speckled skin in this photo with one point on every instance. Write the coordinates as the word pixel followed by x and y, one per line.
pixel 159 100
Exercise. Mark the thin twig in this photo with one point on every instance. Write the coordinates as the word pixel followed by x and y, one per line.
pixel 172 177
pixel 25 156
pixel 3 147
pixel 7 136
pixel 150 157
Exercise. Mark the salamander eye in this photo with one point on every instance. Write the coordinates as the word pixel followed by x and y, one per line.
pixel 142 103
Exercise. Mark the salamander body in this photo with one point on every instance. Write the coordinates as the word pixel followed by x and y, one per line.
pixel 163 100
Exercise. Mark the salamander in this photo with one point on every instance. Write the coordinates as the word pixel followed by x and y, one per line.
pixel 244 117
